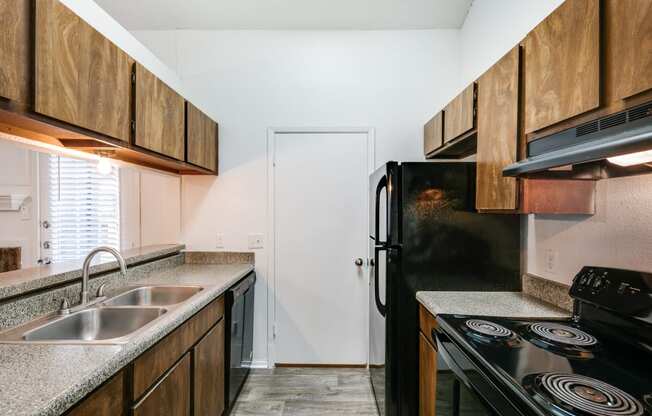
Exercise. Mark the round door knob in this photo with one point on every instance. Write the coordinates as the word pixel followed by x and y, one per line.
pixel 359 262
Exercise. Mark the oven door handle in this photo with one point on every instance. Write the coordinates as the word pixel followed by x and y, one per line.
pixel 487 391
pixel 441 339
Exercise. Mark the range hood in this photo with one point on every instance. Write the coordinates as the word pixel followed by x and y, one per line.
pixel 623 138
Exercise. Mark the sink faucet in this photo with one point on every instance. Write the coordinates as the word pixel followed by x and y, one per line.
pixel 87 266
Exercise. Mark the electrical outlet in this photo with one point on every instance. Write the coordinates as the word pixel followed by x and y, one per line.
pixel 219 240
pixel 552 258
pixel 256 241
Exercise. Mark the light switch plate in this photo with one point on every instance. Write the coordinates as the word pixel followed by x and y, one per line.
pixel 26 211
pixel 256 241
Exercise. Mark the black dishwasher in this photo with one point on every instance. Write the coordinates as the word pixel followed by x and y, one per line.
pixel 240 337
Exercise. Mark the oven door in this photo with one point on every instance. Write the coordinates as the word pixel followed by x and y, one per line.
pixel 462 389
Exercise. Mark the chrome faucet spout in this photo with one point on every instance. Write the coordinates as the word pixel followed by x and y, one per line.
pixel 87 266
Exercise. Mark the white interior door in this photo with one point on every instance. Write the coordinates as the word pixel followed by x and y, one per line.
pixel 320 210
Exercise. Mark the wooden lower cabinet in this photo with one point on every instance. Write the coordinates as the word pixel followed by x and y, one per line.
pixel 427 377
pixel 180 375
pixel 427 363
pixel 154 362
pixel 171 395
pixel 209 366
pixel 108 400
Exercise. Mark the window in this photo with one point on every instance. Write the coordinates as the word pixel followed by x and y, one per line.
pixel 83 208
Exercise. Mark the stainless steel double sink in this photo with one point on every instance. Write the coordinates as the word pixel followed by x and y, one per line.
pixel 112 320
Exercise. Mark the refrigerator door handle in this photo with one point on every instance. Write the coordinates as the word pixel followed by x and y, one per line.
pixel 382 309
pixel 381 184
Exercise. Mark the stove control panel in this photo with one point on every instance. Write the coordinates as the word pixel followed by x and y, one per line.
pixel 624 291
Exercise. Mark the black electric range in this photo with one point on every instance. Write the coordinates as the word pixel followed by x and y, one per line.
pixel 599 362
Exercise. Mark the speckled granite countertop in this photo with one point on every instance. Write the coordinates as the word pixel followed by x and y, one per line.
pixel 506 304
pixel 18 282
pixel 48 379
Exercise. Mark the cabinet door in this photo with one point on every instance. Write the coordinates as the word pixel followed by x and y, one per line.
pixel 171 395
pixel 159 116
pixel 202 139
pixel 149 366
pixel 427 377
pixel 209 362
pixel 562 65
pixel 108 400
pixel 15 39
pixel 460 114
pixel 497 134
pixel 80 77
pixel 628 36
pixel 433 133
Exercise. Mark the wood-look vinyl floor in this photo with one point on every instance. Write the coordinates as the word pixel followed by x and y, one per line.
pixel 305 392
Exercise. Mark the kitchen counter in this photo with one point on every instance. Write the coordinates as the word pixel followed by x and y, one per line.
pixel 504 304
pixel 38 379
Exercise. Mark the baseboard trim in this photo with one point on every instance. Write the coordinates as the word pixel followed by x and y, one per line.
pixel 294 365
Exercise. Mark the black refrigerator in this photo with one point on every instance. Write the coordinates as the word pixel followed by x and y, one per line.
pixel 427 235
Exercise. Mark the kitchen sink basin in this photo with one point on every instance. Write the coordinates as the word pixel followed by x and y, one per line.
pixel 94 324
pixel 153 296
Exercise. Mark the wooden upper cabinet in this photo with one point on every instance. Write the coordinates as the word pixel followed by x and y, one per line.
pixel 80 76
pixel 15 38
pixel 433 133
pixel 201 139
pixel 498 134
pixel 562 65
pixel 159 116
pixel 628 38
pixel 460 114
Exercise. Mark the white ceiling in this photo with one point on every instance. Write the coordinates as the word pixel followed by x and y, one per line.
pixel 287 14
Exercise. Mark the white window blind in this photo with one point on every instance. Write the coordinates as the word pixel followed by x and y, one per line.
pixel 84 208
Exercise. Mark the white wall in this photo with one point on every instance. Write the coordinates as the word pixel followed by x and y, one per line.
pixel 18 175
pixel 249 81
pixel 493 27
pixel 150 207
pixel 620 233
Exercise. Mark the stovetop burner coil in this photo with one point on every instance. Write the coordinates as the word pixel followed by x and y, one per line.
pixel 563 334
pixel 488 328
pixel 588 395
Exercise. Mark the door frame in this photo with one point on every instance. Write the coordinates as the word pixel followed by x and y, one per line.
pixel 271 215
